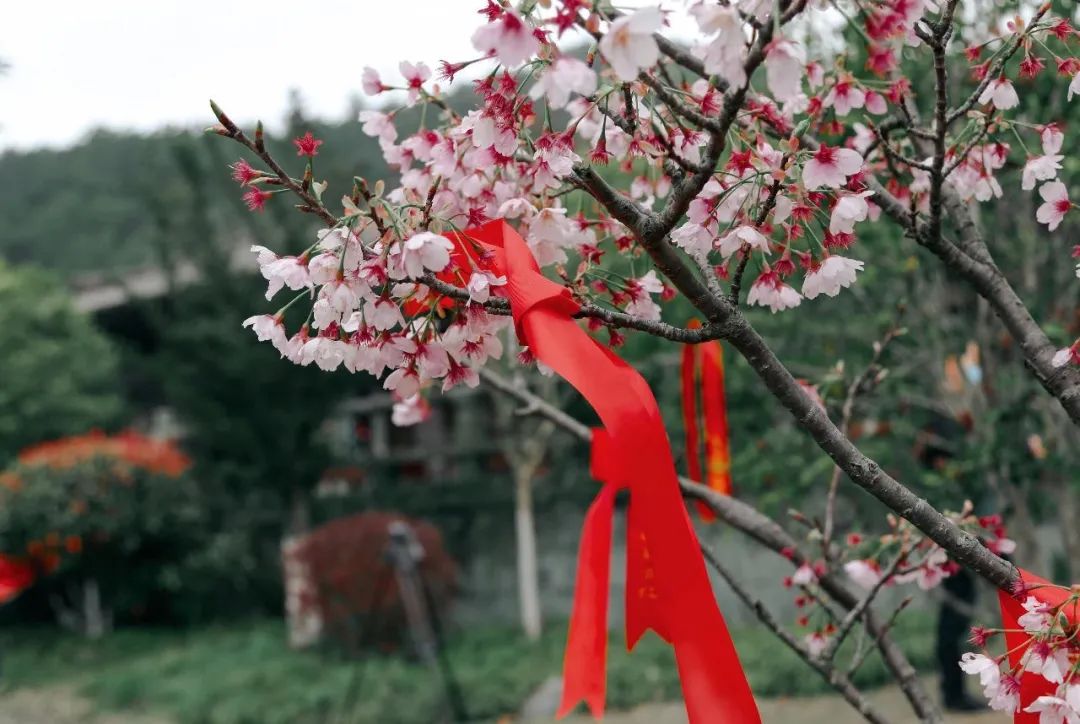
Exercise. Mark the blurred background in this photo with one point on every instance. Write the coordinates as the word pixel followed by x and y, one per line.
pixel 219 536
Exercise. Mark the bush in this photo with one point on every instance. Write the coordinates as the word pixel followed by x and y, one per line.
pixel 356 592
pixel 105 521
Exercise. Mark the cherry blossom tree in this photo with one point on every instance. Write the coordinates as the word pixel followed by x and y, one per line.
pixel 733 168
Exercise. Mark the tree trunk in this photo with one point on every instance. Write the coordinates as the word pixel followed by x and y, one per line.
pixel 525 530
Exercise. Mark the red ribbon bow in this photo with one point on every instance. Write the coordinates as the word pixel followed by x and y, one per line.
pixel 667 588
pixel 1032 686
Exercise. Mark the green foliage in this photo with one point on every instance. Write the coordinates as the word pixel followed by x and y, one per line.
pixel 85 208
pixel 242 675
pixel 58 375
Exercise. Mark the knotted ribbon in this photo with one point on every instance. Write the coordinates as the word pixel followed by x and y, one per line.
pixel 709 359
pixel 667 587
pixel 1032 686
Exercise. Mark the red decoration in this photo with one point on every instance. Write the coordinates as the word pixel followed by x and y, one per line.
pixel 667 587
pixel 1032 686
pixel 15 577
pixel 709 358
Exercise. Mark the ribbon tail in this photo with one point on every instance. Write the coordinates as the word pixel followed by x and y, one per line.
pixel 585 662
pixel 642 595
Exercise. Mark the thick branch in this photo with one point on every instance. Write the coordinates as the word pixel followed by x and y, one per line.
pixel 863 471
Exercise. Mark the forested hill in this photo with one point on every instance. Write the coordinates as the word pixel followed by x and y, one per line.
pixel 120 200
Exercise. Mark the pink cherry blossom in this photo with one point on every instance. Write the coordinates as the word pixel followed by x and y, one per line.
pixel 1040 168
pixel 1074 86
pixel 403 381
pixel 641 304
pixel 769 291
pixel 829 167
pixel 734 240
pixel 835 273
pixel 804 575
pixel 692 238
pixel 1067 355
pixel 987 669
pixel 378 124
pixel 725 53
pixel 1005 697
pixel 784 67
pixel 1052 138
pixel 383 314
pixel 410 411
pixel 843 97
pixel 1001 93
pixel 371 82
pixel 1036 618
pixel 628 46
pixel 418 254
pixel 815 643
pixel 565 76
pixel 849 210
pixel 1053 710
pixel 285 271
pixel 1056 204
pixel 875 103
pixel 460 374
pixel 507 37
pixel 480 285
pixel 1050 663
pixel 866 574
pixel 415 76
pixel 268 329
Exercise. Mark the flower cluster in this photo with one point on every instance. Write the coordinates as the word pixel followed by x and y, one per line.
pixel 769 179
pixel 1048 652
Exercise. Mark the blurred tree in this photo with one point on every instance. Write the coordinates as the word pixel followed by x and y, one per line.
pixel 58 375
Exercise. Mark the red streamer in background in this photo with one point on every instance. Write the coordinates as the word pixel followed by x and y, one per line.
pixel 709 358
pixel 667 588
pixel 1032 686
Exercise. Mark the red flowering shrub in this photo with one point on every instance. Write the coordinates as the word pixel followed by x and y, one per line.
pixel 114 511
pixel 355 586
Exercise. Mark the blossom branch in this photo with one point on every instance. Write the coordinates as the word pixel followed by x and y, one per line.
pixel 231 130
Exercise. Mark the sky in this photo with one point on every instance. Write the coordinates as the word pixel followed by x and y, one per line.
pixel 144 64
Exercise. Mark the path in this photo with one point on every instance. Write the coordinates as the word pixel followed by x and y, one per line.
pixel 63 705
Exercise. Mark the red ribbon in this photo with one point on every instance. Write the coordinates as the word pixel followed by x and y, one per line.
pixel 1032 686
pixel 709 358
pixel 667 587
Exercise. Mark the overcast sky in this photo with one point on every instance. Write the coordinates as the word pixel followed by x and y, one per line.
pixel 142 64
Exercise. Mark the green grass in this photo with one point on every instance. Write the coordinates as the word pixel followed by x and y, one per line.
pixel 246 674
